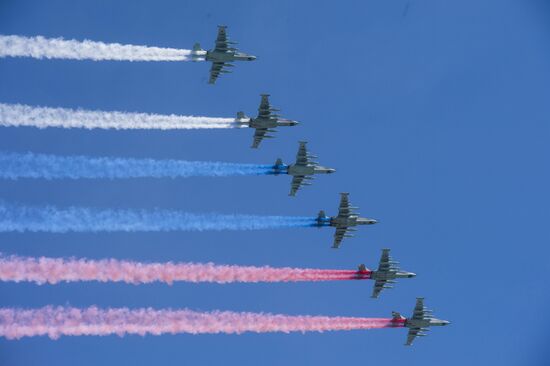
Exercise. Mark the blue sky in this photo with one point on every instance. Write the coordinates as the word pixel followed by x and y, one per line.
pixel 435 115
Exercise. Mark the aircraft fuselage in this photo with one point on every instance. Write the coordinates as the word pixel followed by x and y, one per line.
pixel 352 220
pixel 227 56
pixel 390 275
pixel 424 323
pixel 308 170
pixel 269 122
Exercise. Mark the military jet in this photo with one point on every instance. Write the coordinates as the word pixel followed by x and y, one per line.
pixel 221 56
pixel 419 323
pixel 303 170
pixel 345 221
pixel 264 122
pixel 386 273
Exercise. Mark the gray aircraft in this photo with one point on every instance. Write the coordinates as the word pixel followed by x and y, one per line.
pixel 302 170
pixel 419 323
pixel 345 221
pixel 386 274
pixel 221 55
pixel 265 122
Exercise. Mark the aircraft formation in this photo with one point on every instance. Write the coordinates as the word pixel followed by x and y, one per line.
pixel 303 170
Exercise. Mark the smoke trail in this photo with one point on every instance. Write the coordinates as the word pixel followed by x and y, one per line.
pixel 54 270
pixel 29 165
pixel 18 115
pixel 57 321
pixel 79 219
pixel 40 47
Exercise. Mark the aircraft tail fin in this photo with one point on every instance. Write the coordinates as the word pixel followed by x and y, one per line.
pixel 397 316
pixel 198 54
pixel 279 167
pixel 243 119
pixel 322 219
pixel 362 268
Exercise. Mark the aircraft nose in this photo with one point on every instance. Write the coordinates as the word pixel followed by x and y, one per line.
pixel 330 171
pixel 411 275
pixel 446 322
pixel 251 58
pixel 372 222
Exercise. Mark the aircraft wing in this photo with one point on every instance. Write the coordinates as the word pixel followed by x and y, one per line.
pixel 296 183
pixel 378 287
pixel 265 110
pixel 420 311
pixel 302 157
pixel 217 69
pixel 259 135
pixel 345 209
pixel 411 336
pixel 339 236
pixel 385 265
pixel 385 261
pixel 221 40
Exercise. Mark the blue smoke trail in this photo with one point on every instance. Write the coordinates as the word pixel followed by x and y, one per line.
pixel 79 219
pixel 29 165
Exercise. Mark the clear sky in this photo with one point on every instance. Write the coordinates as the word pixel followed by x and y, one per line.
pixel 435 114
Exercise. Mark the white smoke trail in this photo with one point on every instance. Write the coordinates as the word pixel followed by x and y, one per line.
pixel 18 115
pixel 57 321
pixel 54 270
pixel 29 165
pixel 58 48
pixel 79 219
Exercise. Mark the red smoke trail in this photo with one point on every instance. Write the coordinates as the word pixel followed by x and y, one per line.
pixel 57 321
pixel 53 270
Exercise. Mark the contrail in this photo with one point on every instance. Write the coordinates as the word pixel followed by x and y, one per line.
pixel 19 115
pixel 58 48
pixel 79 219
pixel 69 321
pixel 55 270
pixel 29 165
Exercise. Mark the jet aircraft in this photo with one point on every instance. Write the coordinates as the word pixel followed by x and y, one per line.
pixel 265 122
pixel 385 275
pixel 345 221
pixel 221 55
pixel 419 323
pixel 302 170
